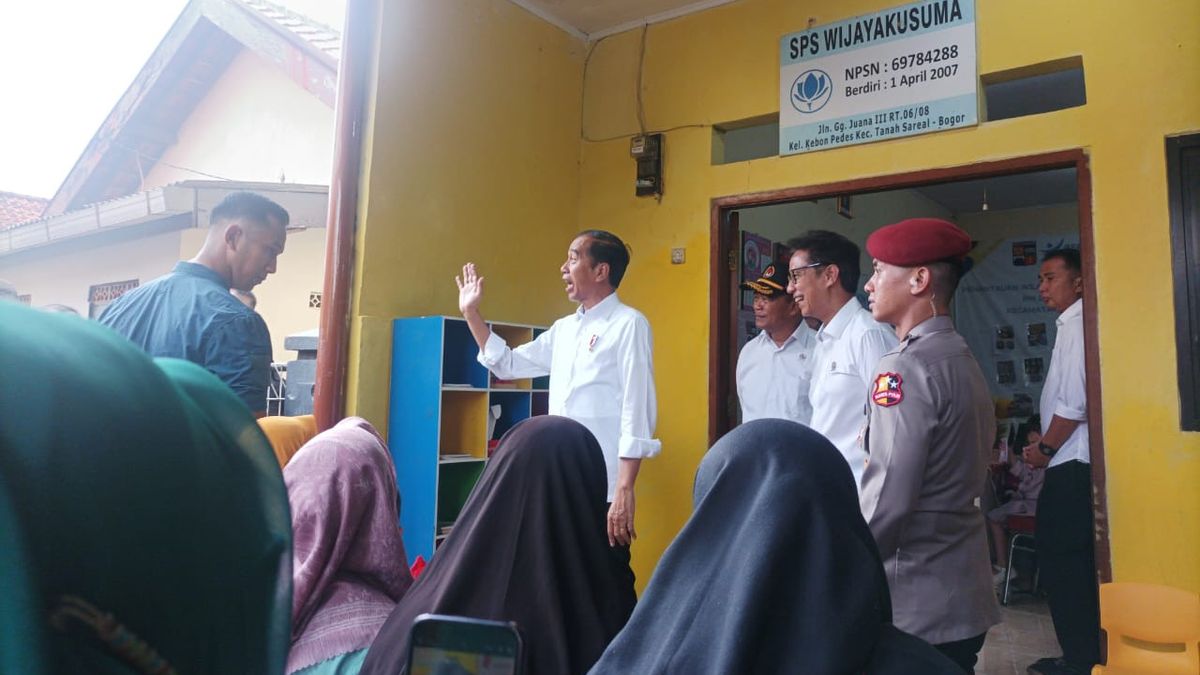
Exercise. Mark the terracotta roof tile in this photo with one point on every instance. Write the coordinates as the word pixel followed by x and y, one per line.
pixel 17 208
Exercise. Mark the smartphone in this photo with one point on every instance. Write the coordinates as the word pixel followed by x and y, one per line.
pixel 457 645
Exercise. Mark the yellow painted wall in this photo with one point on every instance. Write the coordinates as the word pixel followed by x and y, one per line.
pixel 1143 83
pixel 473 153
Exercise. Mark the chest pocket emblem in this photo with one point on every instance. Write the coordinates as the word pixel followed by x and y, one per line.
pixel 888 390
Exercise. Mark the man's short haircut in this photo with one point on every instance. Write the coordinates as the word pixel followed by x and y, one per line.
pixel 1069 256
pixel 831 248
pixel 248 205
pixel 944 277
pixel 606 247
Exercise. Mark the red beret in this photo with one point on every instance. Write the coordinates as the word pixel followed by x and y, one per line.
pixel 918 241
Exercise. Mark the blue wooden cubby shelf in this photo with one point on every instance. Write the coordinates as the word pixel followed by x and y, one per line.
pixel 438 419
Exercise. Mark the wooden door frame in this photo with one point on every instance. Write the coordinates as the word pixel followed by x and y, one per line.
pixel 722 318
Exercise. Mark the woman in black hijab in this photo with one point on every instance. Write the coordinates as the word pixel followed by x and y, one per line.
pixel 775 572
pixel 529 547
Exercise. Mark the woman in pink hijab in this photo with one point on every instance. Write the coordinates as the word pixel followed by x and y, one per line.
pixel 349 566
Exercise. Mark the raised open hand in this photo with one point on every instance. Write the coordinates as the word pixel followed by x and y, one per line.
pixel 470 289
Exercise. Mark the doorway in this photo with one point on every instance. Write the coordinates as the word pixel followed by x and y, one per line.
pixel 1014 209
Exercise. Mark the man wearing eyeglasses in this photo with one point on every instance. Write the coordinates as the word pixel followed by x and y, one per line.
pixel 823 274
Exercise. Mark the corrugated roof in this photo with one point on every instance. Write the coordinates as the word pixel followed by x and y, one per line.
pixel 175 206
pixel 323 37
pixel 17 208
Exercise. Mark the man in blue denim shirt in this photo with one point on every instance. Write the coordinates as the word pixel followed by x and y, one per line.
pixel 190 314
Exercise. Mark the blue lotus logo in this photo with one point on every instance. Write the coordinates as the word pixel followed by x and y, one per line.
pixel 811 91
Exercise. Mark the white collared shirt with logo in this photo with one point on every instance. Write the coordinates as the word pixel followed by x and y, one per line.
pixel 1065 391
pixel 601 375
pixel 847 350
pixel 773 380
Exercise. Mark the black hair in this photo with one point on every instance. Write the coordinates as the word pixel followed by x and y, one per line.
pixel 831 248
pixel 1034 423
pixel 945 276
pixel 1069 256
pixel 606 247
pixel 248 205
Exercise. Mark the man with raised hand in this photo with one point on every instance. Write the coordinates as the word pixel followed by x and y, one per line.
pixel 599 361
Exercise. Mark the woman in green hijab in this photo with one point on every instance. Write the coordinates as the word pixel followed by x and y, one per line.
pixel 153 510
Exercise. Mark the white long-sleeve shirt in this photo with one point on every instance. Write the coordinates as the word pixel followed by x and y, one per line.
pixel 601 375
pixel 1065 391
pixel 848 348
pixel 773 380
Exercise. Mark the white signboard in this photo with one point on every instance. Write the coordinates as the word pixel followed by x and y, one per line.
pixel 903 71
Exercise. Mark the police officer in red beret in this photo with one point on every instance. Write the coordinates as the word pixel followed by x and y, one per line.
pixel 930 428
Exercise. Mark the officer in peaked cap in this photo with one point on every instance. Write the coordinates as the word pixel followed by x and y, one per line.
pixel 929 433
pixel 774 368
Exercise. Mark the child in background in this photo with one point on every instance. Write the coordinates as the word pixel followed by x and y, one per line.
pixel 1023 502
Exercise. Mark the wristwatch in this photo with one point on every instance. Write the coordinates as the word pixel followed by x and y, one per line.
pixel 1047 450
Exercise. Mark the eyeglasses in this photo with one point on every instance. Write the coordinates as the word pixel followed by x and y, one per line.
pixel 794 273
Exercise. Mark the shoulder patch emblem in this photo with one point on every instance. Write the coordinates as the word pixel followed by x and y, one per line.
pixel 888 390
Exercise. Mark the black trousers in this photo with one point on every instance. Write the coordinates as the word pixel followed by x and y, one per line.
pixel 1067 560
pixel 622 555
pixel 964 653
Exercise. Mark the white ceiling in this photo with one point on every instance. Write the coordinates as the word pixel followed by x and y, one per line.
pixel 593 19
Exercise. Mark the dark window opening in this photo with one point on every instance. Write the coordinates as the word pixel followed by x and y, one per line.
pixel 1183 186
pixel 746 139
pixel 1034 89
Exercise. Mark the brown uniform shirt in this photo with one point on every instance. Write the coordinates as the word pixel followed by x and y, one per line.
pixel 930 428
